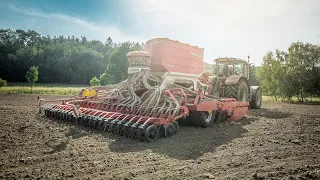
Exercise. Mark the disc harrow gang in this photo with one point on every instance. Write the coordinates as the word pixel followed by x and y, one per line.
pixel 118 121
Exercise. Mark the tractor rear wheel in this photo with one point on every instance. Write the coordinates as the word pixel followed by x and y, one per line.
pixel 256 100
pixel 239 91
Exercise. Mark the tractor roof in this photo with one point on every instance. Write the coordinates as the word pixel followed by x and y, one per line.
pixel 232 60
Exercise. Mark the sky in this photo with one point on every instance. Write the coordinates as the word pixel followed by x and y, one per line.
pixel 229 28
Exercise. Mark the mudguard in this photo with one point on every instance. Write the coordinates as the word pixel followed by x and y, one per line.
pixel 233 79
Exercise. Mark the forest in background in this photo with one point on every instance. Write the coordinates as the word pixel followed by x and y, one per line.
pixel 72 60
pixel 61 59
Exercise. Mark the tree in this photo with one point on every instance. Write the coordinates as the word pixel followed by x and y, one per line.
pixel 95 81
pixel 3 83
pixel 302 60
pixel 269 74
pixel 32 76
pixel 59 59
pixel 109 42
pixel 117 67
pixel 295 72
pixel 104 79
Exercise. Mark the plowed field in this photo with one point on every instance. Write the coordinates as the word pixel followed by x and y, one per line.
pixel 278 141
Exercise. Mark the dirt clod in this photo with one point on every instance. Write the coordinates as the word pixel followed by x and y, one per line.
pixel 208 176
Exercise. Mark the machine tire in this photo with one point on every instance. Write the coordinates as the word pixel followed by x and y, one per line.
pixel 220 117
pixel 185 121
pixel 256 100
pixel 152 133
pixel 193 118
pixel 206 119
pixel 176 125
pixel 235 91
pixel 202 118
pixel 169 130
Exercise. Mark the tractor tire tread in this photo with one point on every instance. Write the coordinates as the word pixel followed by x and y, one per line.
pixel 253 103
pixel 232 90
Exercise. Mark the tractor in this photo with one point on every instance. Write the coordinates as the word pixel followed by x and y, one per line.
pixel 235 78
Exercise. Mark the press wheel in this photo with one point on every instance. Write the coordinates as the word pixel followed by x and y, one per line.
pixel 169 130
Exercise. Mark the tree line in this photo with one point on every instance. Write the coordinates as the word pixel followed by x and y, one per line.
pixel 62 59
pixel 291 73
pixel 73 60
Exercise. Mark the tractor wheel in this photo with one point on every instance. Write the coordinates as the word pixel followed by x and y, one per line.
pixel 238 91
pixel 256 100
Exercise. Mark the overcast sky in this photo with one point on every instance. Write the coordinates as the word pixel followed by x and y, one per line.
pixel 230 28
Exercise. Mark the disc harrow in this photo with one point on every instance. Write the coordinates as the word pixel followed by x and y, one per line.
pixel 144 122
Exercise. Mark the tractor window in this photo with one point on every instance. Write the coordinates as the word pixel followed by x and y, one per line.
pixel 239 69
pixel 224 70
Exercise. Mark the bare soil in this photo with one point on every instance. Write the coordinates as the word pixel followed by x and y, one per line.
pixel 278 141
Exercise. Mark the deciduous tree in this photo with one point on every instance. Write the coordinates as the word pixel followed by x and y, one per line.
pixel 32 76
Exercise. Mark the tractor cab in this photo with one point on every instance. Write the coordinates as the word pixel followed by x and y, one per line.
pixel 225 67
pixel 235 78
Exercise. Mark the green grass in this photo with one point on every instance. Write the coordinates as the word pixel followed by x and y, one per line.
pixel 43 88
pixel 294 99
pixel 74 89
pixel 25 84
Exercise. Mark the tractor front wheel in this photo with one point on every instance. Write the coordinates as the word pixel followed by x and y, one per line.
pixel 256 100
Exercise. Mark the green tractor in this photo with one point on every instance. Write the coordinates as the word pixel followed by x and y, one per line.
pixel 235 78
